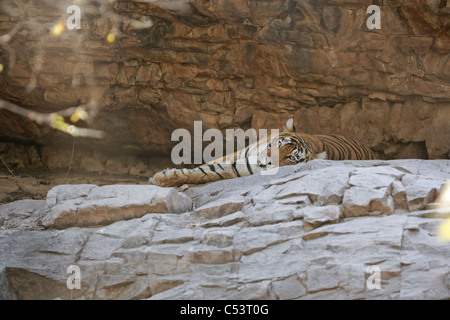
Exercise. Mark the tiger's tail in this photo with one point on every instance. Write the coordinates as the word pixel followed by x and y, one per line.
pixel 202 174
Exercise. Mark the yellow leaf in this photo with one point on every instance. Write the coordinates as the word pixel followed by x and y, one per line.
pixel 111 37
pixel 75 117
pixel 79 114
pixel 57 122
pixel 57 29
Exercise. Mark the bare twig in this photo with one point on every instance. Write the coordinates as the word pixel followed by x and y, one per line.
pixel 10 171
pixel 71 158
pixel 55 119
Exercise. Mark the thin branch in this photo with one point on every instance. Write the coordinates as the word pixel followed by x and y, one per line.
pixel 71 159
pixel 56 120
pixel 10 171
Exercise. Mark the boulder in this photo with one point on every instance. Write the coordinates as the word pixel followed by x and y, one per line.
pixel 90 205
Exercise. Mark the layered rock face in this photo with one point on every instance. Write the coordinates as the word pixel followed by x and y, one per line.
pixel 323 230
pixel 149 67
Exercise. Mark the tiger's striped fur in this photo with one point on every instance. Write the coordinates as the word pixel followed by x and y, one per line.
pixel 287 148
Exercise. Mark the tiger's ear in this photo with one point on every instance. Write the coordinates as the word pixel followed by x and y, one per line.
pixel 289 126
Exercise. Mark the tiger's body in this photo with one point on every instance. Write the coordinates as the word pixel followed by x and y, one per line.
pixel 287 148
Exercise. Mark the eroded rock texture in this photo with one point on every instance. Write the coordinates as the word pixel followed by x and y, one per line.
pixel 258 237
pixel 230 64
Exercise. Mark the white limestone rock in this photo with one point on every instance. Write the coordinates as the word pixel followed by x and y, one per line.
pixel 309 232
pixel 90 205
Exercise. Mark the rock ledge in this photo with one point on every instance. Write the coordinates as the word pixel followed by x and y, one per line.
pixel 309 232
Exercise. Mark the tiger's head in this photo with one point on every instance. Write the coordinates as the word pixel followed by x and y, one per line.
pixel 288 149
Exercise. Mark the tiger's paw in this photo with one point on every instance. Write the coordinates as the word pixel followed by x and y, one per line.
pixel 165 178
pixel 159 178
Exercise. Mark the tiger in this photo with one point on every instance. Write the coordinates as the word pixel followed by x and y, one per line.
pixel 272 151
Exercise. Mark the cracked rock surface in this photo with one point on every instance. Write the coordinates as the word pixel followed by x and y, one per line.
pixel 307 232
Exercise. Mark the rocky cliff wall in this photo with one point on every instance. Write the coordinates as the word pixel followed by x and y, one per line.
pixel 146 68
